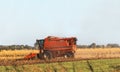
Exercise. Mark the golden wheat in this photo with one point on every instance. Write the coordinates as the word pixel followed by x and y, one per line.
pixel 80 53
pixel 15 54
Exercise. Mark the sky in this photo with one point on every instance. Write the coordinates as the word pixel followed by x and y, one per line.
pixel 24 21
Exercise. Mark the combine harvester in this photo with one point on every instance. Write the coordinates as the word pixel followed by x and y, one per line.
pixel 52 47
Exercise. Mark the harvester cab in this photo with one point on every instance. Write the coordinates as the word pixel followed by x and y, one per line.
pixel 40 45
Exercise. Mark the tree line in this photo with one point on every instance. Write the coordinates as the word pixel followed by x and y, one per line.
pixel 15 47
pixel 94 45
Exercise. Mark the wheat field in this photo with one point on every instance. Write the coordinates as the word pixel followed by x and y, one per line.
pixel 80 53
pixel 15 54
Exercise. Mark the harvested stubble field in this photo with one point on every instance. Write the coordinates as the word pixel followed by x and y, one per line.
pixel 98 53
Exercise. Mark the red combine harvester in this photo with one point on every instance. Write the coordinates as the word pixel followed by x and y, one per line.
pixel 52 47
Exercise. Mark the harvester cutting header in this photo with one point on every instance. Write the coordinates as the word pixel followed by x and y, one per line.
pixel 52 47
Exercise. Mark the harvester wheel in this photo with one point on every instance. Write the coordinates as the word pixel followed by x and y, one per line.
pixel 47 55
pixel 69 55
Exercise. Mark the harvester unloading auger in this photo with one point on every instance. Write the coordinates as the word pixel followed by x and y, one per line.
pixel 52 47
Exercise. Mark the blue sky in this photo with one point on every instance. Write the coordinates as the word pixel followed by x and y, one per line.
pixel 24 21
